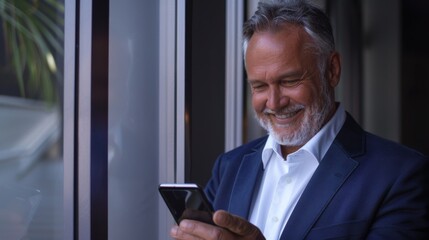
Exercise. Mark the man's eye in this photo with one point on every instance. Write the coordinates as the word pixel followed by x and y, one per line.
pixel 258 87
pixel 291 82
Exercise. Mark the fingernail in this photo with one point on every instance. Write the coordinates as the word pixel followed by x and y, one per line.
pixel 173 231
pixel 185 224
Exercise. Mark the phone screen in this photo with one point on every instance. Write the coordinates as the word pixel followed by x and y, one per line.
pixel 187 201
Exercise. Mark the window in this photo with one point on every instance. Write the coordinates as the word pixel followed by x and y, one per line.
pixel 31 159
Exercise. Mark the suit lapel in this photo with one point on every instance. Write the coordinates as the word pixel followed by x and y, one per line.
pixel 246 183
pixel 332 172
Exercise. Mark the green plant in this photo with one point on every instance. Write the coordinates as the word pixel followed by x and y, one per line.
pixel 33 44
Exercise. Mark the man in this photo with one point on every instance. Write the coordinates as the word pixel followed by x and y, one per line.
pixel 317 175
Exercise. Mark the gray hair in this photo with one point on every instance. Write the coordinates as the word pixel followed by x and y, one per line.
pixel 273 14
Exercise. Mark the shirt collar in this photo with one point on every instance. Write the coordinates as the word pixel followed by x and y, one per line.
pixel 317 146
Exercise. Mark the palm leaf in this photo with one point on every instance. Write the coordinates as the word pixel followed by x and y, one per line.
pixel 33 31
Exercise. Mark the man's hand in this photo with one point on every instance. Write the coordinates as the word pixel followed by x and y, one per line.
pixel 227 227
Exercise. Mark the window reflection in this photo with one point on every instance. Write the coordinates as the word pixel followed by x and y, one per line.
pixel 133 119
pixel 31 167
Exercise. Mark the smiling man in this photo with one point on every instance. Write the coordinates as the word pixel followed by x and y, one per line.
pixel 318 174
pixel 292 98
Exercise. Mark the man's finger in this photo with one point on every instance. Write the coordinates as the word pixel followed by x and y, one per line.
pixel 235 224
pixel 191 229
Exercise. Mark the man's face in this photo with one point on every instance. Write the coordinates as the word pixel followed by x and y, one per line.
pixel 290 99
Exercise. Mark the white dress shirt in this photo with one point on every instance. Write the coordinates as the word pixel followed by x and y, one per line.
pixel 284 181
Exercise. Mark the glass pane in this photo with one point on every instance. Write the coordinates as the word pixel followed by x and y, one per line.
pixel 133 119
pixel 31 165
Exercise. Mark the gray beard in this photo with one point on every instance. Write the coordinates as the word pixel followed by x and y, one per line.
pixel 313 121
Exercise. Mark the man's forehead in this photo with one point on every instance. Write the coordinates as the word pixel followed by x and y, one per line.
pixel 288 35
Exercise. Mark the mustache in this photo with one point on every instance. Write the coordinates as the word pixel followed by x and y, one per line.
pixel 285 110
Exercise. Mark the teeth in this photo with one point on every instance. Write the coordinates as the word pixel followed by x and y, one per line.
pixel 287 115
pixel 283 114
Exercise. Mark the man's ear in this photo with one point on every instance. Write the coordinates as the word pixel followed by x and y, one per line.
pixel 334 69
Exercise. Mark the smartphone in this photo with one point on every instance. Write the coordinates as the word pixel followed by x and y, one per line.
pixel 187 201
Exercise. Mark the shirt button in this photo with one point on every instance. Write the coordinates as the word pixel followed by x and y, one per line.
pixel 275 219
pixel 288 180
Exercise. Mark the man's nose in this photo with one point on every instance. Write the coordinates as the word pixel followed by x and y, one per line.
pixel 275 99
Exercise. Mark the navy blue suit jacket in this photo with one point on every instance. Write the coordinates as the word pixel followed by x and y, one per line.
pixel 364 188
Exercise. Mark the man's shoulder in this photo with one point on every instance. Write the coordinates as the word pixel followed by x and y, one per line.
pixel 392 157
pixel 381 146
pixel 358 142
